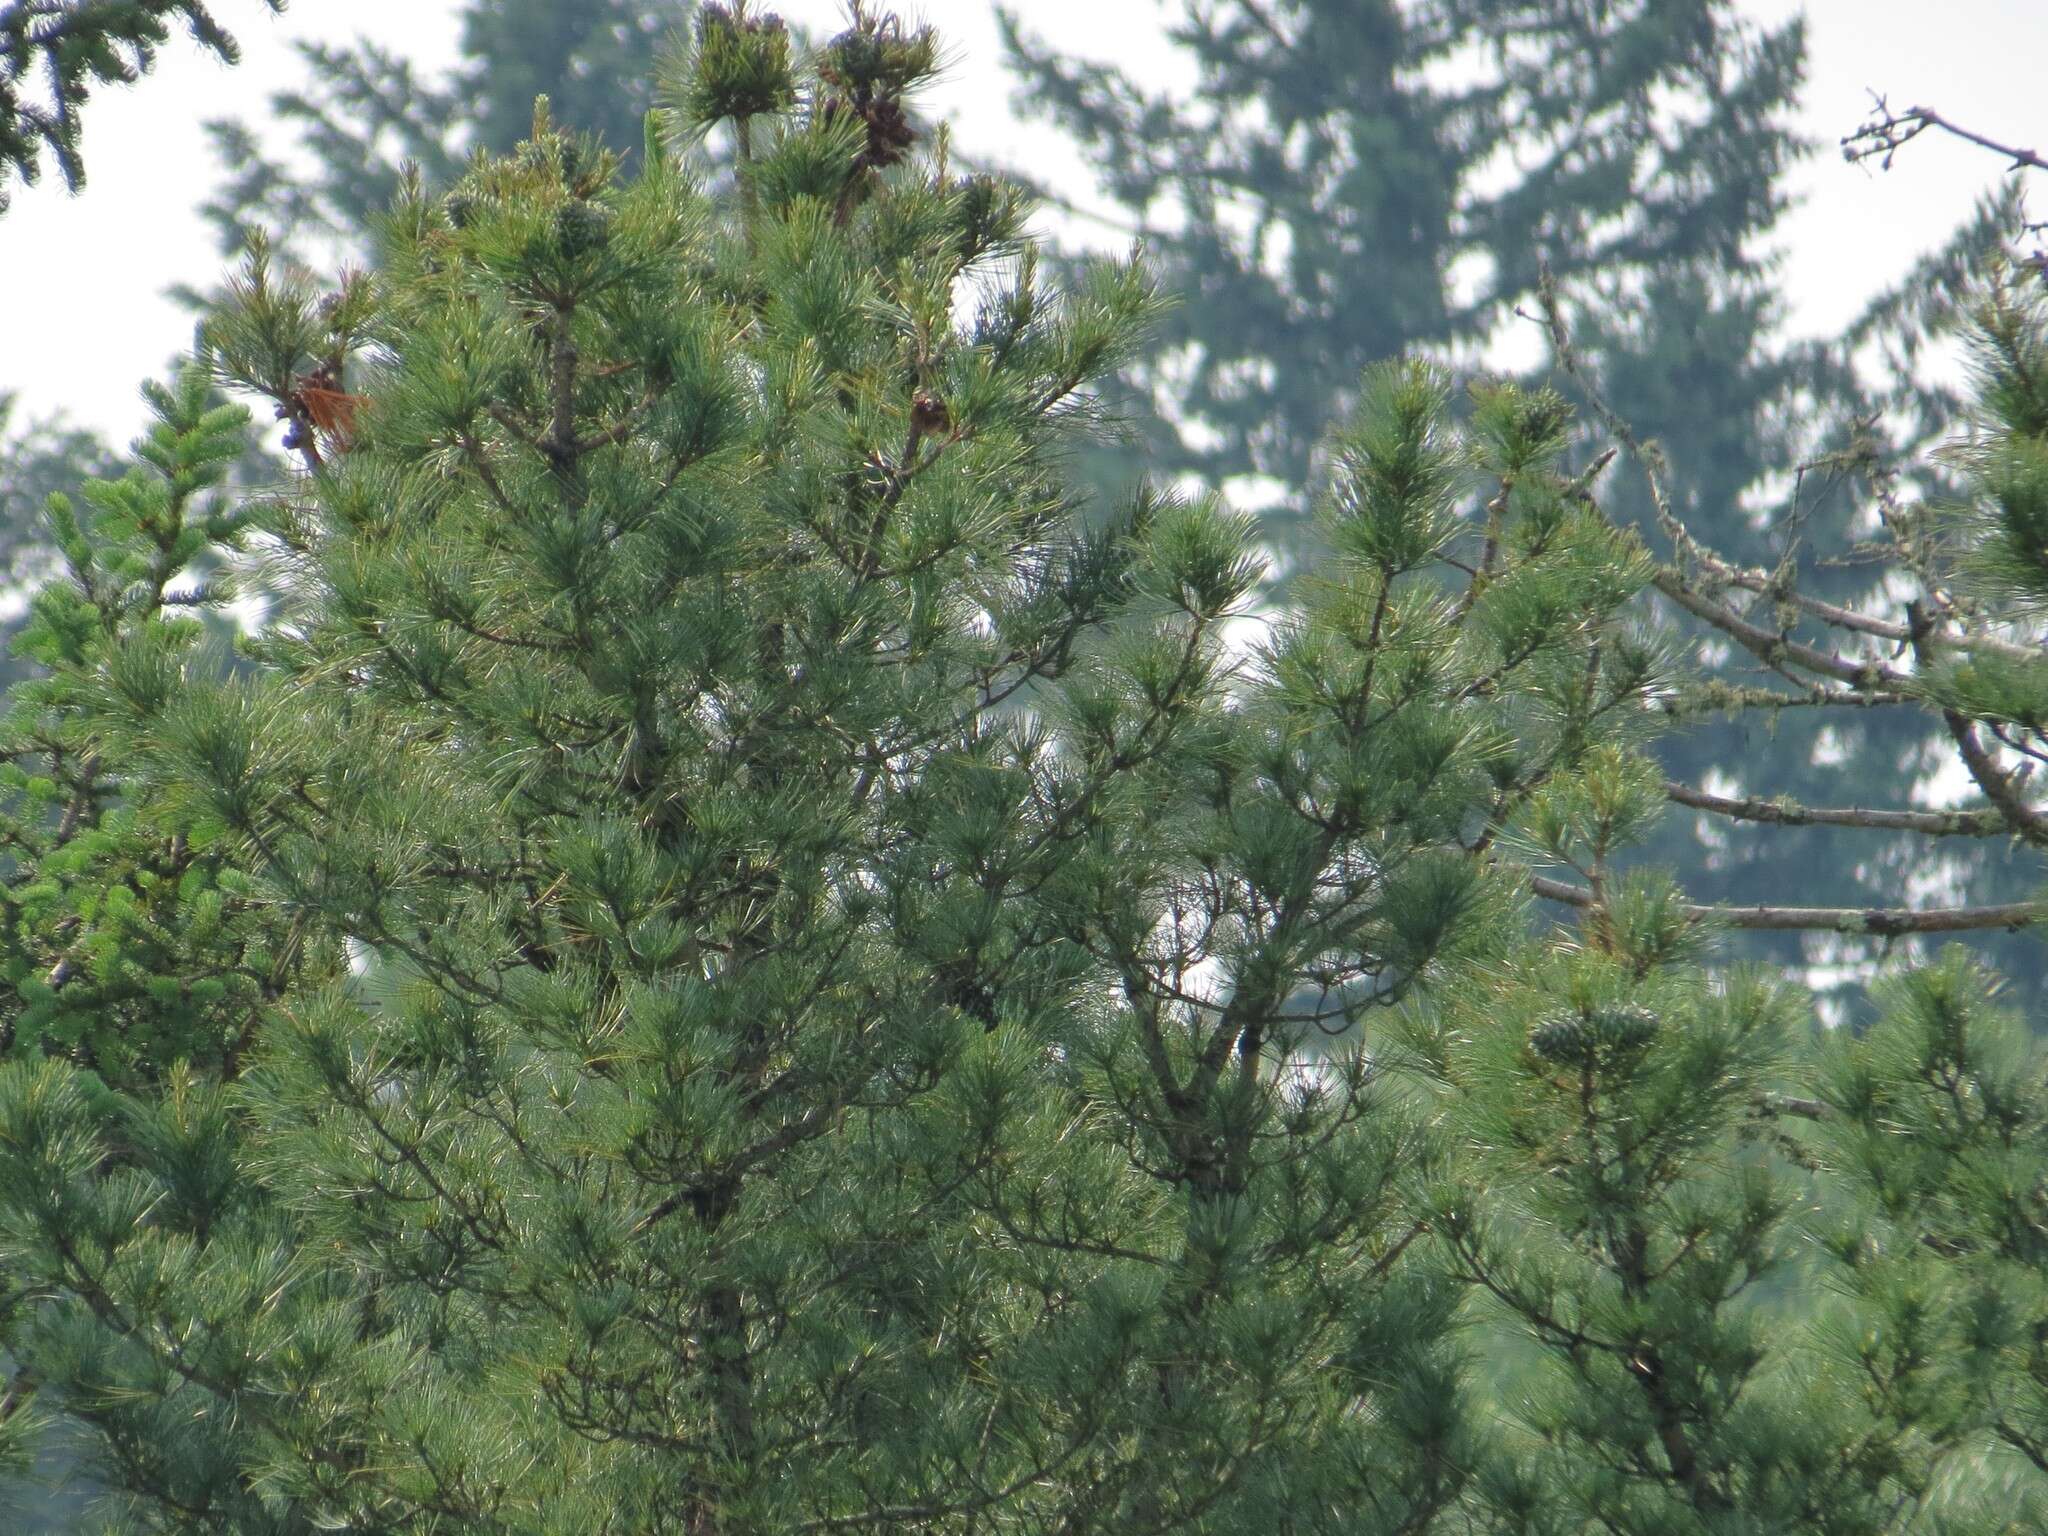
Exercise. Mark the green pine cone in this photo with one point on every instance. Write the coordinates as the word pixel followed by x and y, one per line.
pixel 581 228
pixel 1623 1028
pixel 1562 1038
pixel 1569 1038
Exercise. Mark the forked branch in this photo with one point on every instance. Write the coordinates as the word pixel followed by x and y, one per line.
pixel 1887 132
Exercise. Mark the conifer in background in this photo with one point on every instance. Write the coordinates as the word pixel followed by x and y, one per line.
pixel 1325 199
pixel 366 110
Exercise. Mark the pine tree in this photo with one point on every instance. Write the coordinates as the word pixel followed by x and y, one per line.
pixel 1938 1133
pixel 843 936
pixel 1752 1289
pixel 74 46
pixel 1672 310
pixel 1931 1127
pixel 1628 1220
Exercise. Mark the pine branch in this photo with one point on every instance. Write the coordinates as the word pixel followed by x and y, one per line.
pixel 1836 616
pixel 1873 922
pixel 2001 788
pixel 1788 813
pixel 1722 698
pixel 1775 649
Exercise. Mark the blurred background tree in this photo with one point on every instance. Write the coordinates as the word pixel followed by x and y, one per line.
pixel 1350 182
pixel 368 110
pixel 38 456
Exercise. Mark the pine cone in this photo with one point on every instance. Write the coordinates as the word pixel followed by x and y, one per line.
pixel 929 416
pixel 581 228
pixel 1571 1038
pixel 1562 1039
pixel 1624 1028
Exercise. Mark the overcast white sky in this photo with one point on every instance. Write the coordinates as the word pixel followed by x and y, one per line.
pixel 109 253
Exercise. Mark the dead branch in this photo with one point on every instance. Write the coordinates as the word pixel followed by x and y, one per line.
pixel 1786 813
pixel 1868 922
pixel 1887 132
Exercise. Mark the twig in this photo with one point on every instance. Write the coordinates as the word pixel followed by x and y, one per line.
pixel 1789 814
pixel 1874 922
pixel 1888 132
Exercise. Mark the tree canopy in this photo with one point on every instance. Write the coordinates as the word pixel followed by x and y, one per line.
pixel 733 959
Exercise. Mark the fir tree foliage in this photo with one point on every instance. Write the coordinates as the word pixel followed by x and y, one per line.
pixel 38 455
pixel 140 955
pixel 132 941
pixel 75 46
